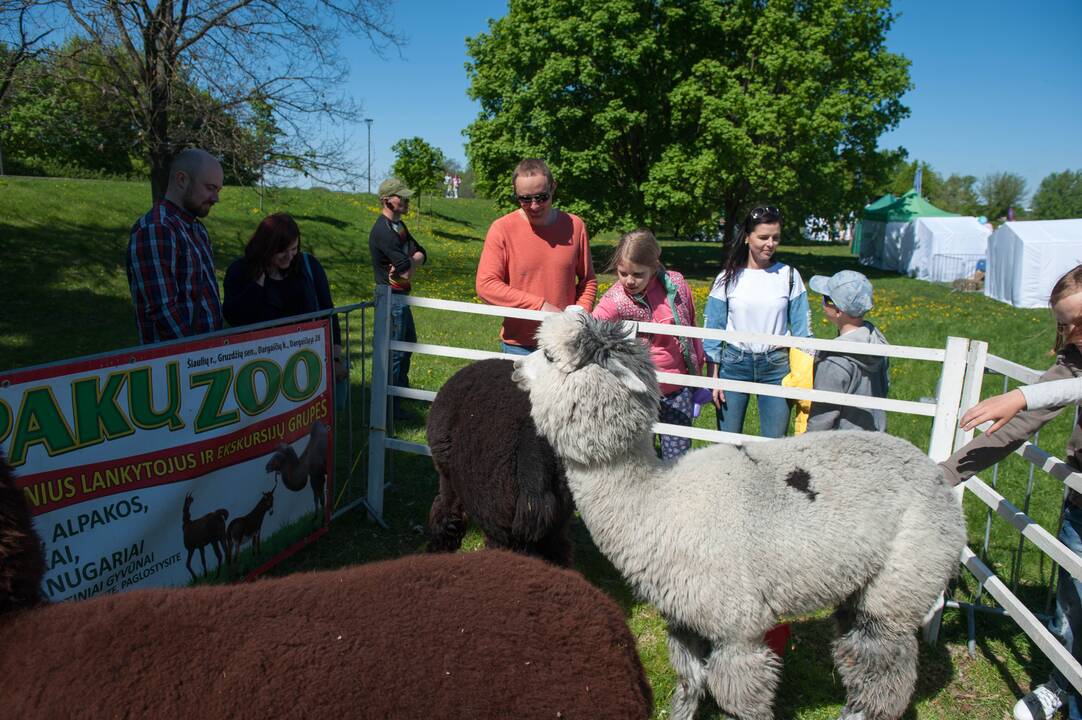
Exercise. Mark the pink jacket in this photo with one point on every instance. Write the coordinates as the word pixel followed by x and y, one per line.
pixel 665 350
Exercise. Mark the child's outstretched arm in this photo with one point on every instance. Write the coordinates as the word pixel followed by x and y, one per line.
pixel 1001 408
pixel 998 408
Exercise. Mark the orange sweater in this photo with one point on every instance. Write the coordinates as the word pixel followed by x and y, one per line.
pixel 523 267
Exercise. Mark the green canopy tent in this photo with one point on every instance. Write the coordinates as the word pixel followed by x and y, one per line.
pixel 878 204
pixel 884 240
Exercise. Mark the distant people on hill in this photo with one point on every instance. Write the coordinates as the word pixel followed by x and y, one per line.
pixel 646 292
pixel 758 294
pixel 396 255
pixel 170 263
pixel 275 279
pixel 456 180
pixel 535 258
pixel 447 184
pixel 847 297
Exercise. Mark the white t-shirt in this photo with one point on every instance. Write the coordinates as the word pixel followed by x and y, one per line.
pixel 759 302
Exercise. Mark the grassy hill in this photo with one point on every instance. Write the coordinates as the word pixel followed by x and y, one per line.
pixel 65 294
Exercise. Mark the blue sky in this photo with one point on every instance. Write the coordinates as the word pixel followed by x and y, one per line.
pixel 997 84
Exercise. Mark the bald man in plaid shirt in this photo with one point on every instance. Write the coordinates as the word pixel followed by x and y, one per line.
pixel 170 263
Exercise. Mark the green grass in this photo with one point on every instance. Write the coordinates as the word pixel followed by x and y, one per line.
pixel 65 294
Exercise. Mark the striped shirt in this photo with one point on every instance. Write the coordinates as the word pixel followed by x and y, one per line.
pixel 171 274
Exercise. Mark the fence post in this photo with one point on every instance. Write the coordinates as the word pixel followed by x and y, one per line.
pixel 971 386
pixel 948 397
pixel 377 433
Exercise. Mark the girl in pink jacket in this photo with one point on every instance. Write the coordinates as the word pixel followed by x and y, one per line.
pixel 646 292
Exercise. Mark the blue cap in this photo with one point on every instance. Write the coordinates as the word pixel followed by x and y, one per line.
pixel 849 290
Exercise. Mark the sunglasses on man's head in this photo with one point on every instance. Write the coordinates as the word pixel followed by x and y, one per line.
pixel 539 198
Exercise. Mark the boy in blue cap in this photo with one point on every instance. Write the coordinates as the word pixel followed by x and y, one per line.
pixel 847 297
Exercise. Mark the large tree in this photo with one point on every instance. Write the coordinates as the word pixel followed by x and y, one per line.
pixel 234 59
pixel 57 122
pixel 1059 196
pixel 20 43
pixel 1000 192
pixel 673 113
pixel 958 194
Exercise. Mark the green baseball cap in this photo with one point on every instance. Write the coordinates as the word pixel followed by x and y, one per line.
pixel 394 186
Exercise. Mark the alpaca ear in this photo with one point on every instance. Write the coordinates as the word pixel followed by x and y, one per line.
pixel 628 378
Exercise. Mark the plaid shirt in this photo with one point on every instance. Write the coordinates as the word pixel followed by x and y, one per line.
pixel 171 274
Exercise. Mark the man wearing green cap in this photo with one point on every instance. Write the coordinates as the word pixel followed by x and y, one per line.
pixel 395 257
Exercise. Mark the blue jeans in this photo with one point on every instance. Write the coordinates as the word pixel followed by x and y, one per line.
pixel 769 368
pixel 515 349
pixel 1067 621
pixel 402 328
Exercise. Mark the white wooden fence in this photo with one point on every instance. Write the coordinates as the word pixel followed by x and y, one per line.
pixel 962 365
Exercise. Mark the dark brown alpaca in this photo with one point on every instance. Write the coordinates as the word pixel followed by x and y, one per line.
pixel 485 634
pixel 207 530
pixel 22 562
pixel 308 469
pixel 249 526
pixel 494 468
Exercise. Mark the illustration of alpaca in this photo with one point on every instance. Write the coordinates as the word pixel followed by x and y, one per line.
pixel 310 468
pixel 207 530
pixel 250 526
pixel 727 539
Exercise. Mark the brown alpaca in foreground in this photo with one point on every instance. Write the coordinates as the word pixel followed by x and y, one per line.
pixel 482 635
pixel 494 469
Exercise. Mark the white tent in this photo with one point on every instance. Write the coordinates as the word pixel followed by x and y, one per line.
pixel 942 249
pixel 884 242
pixel 1026 258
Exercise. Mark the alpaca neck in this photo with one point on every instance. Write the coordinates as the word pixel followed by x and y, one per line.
pixel 614 495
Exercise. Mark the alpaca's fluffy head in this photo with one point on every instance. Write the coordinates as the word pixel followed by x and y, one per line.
pixel 592 388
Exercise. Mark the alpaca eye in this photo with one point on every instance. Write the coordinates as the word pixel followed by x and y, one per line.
pixel 548 356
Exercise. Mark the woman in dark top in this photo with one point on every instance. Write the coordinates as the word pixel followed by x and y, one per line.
pixel 276 280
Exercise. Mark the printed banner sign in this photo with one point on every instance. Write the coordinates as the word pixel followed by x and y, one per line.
pixel 159 466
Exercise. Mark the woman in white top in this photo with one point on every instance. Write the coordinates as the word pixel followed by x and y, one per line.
pixel 755 293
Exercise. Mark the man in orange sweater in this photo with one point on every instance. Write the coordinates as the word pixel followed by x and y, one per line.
pixel 536 258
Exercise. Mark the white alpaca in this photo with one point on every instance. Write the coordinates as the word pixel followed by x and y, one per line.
pixel 727 539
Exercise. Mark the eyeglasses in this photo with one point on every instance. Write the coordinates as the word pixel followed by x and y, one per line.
pixel 764 212
pixel 828 301
pixel 539 198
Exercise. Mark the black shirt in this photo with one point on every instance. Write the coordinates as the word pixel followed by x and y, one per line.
pixel 391 247
pixel 247 302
